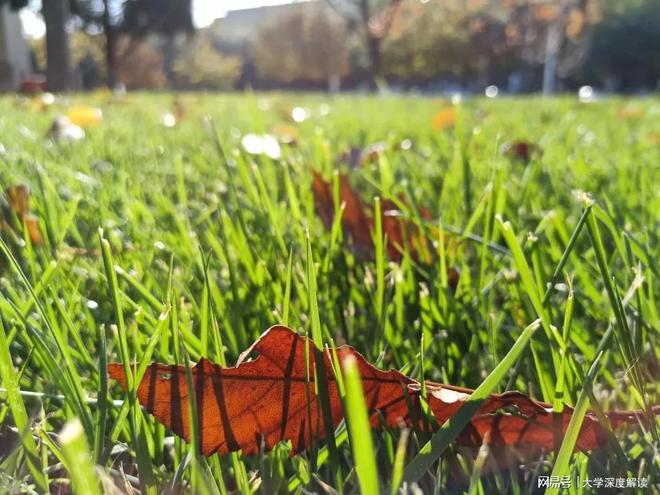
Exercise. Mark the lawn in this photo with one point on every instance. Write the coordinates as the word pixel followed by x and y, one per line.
pixel 168 244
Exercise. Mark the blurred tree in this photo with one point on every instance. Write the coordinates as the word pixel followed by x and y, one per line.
pixel 200 65
pixel 485 39
pixel 555 33
pixel 137 18
pixel 371 20
pixel 479 39
pixel 166 18
pixel 140 65
pixel 58 67
pixel 625 51
pixel 487 49
pixel 423 42
pixel 56 16
pixel 87 52
pixel 306 45
pixel 445 37
pixel 104 16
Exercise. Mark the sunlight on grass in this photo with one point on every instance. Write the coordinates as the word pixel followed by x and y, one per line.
pixel 168 244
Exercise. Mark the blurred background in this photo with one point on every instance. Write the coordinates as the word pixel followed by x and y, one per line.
pixel 429 46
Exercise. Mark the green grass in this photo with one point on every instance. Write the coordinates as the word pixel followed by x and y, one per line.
pixel 202 247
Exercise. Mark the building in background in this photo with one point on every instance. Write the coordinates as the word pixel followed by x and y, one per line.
pixel 298 45
pixel 14 52
pixel 239 28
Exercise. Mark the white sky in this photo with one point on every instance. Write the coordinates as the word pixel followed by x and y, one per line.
pixel 204 12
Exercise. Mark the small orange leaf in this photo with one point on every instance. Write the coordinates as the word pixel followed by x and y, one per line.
pixel 444 119
pixel 19 200
pixel 34 231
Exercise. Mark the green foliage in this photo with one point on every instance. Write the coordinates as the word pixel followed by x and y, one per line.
pixel 81 44
pixel 140 64
pixel 626 45
pixel 205 246
pixel 199 65
pixel 307 44
pixel 444 37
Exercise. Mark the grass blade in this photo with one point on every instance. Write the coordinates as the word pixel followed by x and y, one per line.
pixel 441 439
pixel 359 428
pixel 19 413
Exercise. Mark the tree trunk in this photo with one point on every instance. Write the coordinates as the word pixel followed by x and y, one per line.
pixel 110 47
pixel 374 46
pixel 553 42
pixel 58 70
pixel 169 53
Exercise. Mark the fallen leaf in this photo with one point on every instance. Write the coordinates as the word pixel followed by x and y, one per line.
pixel 354 218
pixel 400 232
pixel 19 200
pixel 85 117
pixel 323 199
pixel 34 231
pixel 18 197
pixel 444 119
pixel 358 223
pixel 271 398
pixel 179 110
pixel 520 150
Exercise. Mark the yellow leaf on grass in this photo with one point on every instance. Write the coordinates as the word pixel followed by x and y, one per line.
pixel 85 117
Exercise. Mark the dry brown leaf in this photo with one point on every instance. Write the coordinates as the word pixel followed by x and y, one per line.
pixel 18 197
pixel 270 399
